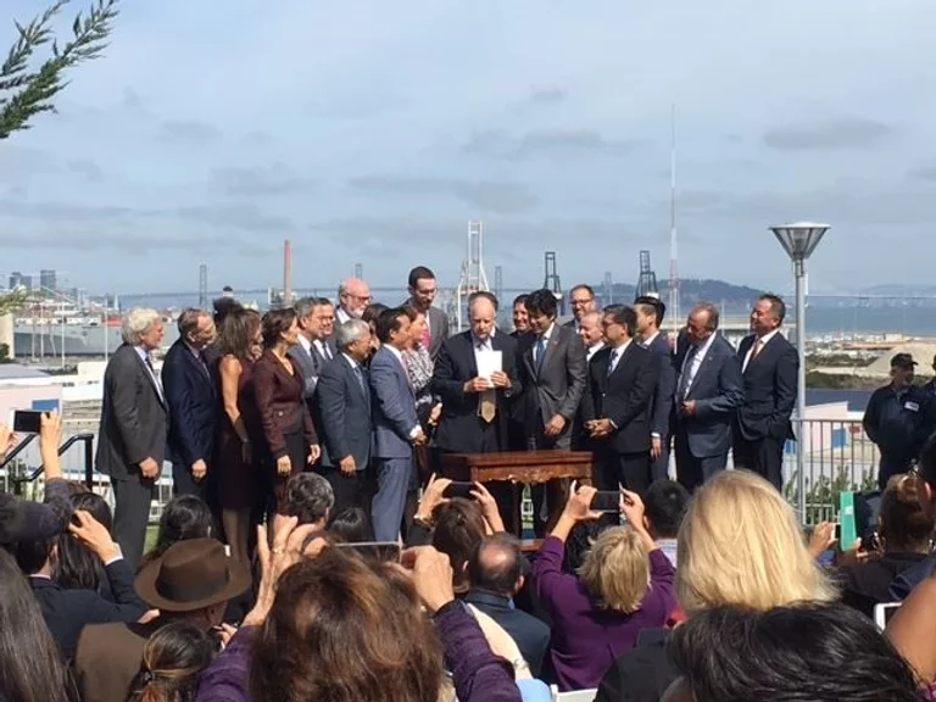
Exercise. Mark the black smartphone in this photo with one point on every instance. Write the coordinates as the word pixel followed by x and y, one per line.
pixel 606 501
pixel 838 532
pixel 459 489
pixel 27 422
pixel 379 551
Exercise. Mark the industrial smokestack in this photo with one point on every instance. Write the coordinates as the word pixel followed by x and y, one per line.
pixel 287 273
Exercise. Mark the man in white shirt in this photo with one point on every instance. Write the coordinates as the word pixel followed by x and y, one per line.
pixel 353 298
pixel 316 317
pixel 591 334
pixel 709 391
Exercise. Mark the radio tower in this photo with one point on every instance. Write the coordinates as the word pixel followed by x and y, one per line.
pixel 203 287
pixel 673 304
pixel 473 278
pixel 359 271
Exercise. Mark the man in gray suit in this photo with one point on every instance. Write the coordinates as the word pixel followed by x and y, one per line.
pixel 650 311
pixel 316 317
pixel 553 373
pixel 396 426
pixel 422 290
pixel 709 391
pixel 343 415
pixel 134 428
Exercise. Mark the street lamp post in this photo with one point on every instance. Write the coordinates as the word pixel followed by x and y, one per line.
pixel 799 240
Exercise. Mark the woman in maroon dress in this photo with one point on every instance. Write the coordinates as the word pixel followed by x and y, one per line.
pixel 291 440
pixel 239 431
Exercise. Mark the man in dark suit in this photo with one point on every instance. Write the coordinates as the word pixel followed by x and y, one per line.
pixel 193 404
pixel 396 425
pixel 521 317
pixel 343 415
pixel 709 391
pixel 134 427
pixel 476 410
pixel 496 575
pixel 552 371
pixel 316 317
pixel 422 290
pixel 616 409
pixel 582 301
pixel 650 312
pixel 769 367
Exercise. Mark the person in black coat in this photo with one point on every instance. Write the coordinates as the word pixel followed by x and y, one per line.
pixel 650 312
pixel 616 408
pixel 193 404
pixel 769 367
pixel 134 428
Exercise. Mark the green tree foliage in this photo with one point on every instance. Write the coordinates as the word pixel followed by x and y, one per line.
pixel 27 89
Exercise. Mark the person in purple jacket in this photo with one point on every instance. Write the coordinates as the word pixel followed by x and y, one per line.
pixel 625 585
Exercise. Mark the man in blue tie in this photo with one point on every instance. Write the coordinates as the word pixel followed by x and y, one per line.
pixel 553 371
pixel 616 409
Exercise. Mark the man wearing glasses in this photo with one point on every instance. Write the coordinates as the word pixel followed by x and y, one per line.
pixel 582 300
pixel 353 298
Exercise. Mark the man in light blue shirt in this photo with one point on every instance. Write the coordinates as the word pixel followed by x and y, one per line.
pixel 665 504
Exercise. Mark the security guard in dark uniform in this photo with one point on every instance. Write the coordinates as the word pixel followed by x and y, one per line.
pixel 899 418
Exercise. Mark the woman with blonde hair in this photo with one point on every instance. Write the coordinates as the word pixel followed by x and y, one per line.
pixel 740 545
pixel 624 585
pixel 743 546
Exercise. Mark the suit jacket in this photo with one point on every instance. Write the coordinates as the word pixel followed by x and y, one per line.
pixel 109 657
pixel 624 397
pixel 193 405
pixel 134 418
pixel 67 612
pixel 280 401
pixel 530 634
pixel 718 391
pixel 769 389
pixel 343 414
pixel 662 404
pixel 394 406
pixel 311 363
pixel 458 429
pixel 557 386
pixel 438 328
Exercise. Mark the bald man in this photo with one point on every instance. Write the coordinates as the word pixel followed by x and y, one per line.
pixel 475 410
pixel 353 298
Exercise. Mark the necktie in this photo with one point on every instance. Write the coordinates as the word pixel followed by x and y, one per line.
pixel 152 370
pixel 487 400
pixel 686 376
pixel 758 345
pixel 612 359
pixel 359 374
pixel 326 351
pixel 540 354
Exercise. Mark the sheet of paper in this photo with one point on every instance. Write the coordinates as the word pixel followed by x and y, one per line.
pixel 490 362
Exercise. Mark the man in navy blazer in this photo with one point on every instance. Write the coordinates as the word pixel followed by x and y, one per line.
pixel 709 391
pixel 650 312
pixel 769 367
pixel 193 403
pixel 343 415
pixel 396 427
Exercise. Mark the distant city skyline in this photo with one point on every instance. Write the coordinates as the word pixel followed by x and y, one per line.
pixel 372 132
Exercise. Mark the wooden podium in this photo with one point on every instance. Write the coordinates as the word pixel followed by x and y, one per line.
pixel 524 467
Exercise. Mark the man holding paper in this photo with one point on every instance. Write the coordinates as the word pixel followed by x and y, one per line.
pixel 476 377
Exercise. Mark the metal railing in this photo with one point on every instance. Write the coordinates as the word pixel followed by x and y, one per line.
pixel 15 471
pixel 839 457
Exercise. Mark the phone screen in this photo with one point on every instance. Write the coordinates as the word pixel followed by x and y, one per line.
pixel 379 551
pixel 459 489
pixel 27 421
pixel 606 501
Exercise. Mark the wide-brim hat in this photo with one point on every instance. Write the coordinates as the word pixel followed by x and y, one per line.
pixel 192 575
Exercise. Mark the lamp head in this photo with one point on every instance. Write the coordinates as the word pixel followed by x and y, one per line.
pixel 800 239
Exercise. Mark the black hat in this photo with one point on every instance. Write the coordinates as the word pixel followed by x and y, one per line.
pixel 903 360
pixel 24 521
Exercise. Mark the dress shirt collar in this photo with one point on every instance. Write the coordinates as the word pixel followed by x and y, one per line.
pixel 547 335
pixel 305 343
pixel 395 351
pixel 703 348
pixel 619 351
pixel 762 340
pixel 354 364
pixel 477 342
pixel 594 348
pixel 646 342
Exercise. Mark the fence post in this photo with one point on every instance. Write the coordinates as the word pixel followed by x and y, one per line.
pixel 801 470
pixel 89 461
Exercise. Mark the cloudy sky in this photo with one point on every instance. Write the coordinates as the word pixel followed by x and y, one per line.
pixel 372 131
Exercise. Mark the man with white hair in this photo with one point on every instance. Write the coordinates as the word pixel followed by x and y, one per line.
pixel 353 298
pixel 134 428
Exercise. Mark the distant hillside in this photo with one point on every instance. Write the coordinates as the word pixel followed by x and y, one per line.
pixel 692 291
